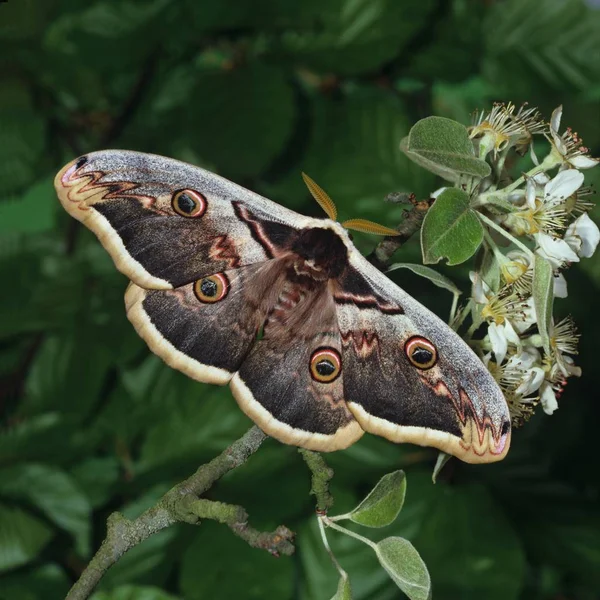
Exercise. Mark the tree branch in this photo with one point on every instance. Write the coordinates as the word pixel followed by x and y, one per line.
pixel 182 503
pixel 322 474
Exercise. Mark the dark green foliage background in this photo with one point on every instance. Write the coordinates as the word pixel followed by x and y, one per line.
pixel 257 91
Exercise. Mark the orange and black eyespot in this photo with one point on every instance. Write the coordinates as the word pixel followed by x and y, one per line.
pixel 325 365
pixel 189 203
pixel 212 289
pixel 421 352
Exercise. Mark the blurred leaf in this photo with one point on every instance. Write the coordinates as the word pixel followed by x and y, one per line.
pixel 431 274
pixel 22 537
pixel 344 592
pixel 404 565
pixel 97 477
pixel 383 503
pixel 55 494
pixel 486 550
pixel 243 572
pixel 47 582
pixel 239 119
pixel 543 297
pixel 68 372
pixel 355 36
pixel 33 213
pixel 443 147
pixel 353 153
pixel 554 44
pixel 450 229
pixel 133 592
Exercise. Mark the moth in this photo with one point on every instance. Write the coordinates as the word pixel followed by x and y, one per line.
pixel 317 345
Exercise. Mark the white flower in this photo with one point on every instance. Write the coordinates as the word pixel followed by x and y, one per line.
pixel 561 187
pixel 546 214
pixel 583 236
pixel 548 398
pixel 569 145
pixel 560 286
pixel 500 337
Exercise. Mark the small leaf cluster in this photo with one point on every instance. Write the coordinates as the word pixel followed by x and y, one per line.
pixel 395 554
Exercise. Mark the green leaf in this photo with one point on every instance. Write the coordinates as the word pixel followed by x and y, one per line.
pixel 243 122
pixel 486 550
pixel 404 565
pixel 354 36
pixel 22 537
pixel 543 297
pixel 384 502
pixel 33 213
pixel 242 572
pixel 344 592
pixel 55 494
pixel 319 578
pixel 353 153
pixel 450 229
pixel 443 147
pixel 133 592
pixel 431 274
pixel 48 581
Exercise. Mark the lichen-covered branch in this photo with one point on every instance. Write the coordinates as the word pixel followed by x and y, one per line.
pixel 183 503
pixel 322 474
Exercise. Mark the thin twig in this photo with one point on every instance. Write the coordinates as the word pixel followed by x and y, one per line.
pixel 178 505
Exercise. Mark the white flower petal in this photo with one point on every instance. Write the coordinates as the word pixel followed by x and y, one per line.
pixel 480 289
pixel 565 184
pixel 548 399
pixel 541 178
pixel 557 251
pixel 530 194
pixel 569 367
pixel 588 234
pixel 581 161
pixel 498 341
pixel 555 119
pixel 531 382
pixel 511 335
pixel 560 286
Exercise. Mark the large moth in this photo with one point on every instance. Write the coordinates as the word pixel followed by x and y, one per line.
pixel 317 345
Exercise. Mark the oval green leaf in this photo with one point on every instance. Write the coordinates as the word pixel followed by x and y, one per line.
pixel 344 592
pixel 405 566
pixel 450 229
pixel 384 502
pixel 443 146
pixel 433 276
pixel 543 297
